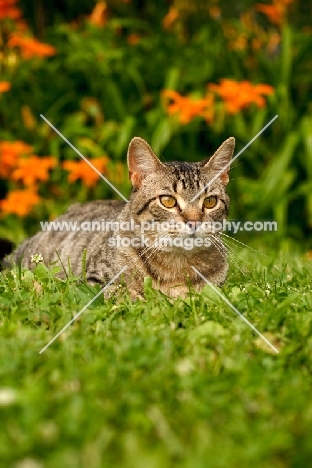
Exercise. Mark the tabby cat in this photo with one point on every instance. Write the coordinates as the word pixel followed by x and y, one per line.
pixel 161 193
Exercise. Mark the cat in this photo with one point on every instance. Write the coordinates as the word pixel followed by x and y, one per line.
pixel 161 195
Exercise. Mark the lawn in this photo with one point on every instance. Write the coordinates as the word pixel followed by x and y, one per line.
pixel 153 383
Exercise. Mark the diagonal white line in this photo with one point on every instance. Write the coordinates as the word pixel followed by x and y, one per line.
pixel 235 310
pixel 228 164
pixel 83 309
pixel 84 158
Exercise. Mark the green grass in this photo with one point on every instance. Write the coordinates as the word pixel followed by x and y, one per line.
pixel 155 384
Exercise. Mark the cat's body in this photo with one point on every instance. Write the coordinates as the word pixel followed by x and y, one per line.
pixel 162 193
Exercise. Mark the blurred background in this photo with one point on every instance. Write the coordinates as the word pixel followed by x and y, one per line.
pixel 184 75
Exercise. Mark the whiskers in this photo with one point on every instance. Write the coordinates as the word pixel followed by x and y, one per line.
pixel 242 243
pixel 228 252
pixel 229 245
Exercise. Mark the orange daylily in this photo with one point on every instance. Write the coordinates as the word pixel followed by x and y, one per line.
pixel 98 16
pixel 33 169
pixel 170 17
pixel 8 10
pixel 19 202
pixel 238 95
pixel 188 108
pixel 30 47
pixel 81 170
pixel 275 12
pixel 4 86
pixel 10 152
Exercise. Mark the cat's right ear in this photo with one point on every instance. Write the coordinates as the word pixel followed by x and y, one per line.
pixel 220 161
pixel 142 161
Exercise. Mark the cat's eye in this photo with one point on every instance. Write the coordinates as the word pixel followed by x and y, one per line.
pixel 210 202
pixel 168 201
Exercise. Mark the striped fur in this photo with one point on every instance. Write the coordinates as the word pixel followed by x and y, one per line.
pixel 169 268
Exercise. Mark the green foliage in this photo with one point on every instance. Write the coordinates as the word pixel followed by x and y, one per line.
pixel 154 383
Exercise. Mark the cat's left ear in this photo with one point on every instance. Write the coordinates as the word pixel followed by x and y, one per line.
pixel 142 161
pixel 221 159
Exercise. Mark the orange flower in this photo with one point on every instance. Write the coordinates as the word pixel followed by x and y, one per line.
pixel 170 17
pixel 188 108
pixel 98 16
pixel 81 170
pixel 8 10
pixel 19 202
pixel 4 86
pixel 238 95
pixel 276 12
pixel 10 151
pixel 32 169
pixel 30 47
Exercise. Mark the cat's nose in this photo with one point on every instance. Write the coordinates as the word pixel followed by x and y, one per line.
pixel 192 224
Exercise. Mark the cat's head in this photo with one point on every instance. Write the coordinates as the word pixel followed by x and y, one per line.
pixel 179 191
